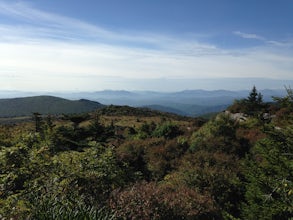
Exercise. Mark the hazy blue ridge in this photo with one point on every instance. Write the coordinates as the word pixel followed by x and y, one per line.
pixel 186 102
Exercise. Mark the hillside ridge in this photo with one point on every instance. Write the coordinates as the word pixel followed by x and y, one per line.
pixel 45 104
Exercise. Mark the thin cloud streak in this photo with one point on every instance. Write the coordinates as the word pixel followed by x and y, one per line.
pixel 49 51
pixel 249 36
pixel 288 43
pixel 48 26
pixel 56 26
pixel 24 12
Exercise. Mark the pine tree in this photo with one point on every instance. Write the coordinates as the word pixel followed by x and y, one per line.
pixel 254 102
pixel 253 96
pixel 269 175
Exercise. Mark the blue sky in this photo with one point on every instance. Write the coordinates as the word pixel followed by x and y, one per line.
pixel 88 45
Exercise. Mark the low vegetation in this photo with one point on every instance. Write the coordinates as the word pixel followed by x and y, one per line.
pixel 128 163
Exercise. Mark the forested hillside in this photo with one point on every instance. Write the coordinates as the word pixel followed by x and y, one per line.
pixel 120 162
pixel 44 105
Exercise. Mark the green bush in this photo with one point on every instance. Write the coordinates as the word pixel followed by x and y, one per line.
pixel 167 130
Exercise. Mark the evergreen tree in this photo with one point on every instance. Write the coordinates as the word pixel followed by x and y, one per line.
pixel 38 121
pixel 269 174
pixel 97 130
pixel 254 102
pixel 253 96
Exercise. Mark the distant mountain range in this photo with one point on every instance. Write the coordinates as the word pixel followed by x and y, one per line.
pixel 187 102
pixel 15 107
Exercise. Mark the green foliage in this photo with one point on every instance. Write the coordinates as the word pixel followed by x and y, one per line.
pixel 164 156
pixel 97 130
pixel 47 208
pixel 167 130
pixel 269 177
pixel 128 163
pixel 76 137
pixel 284 105
pixel 136 154
pixel 35 173
pixel 52 210
pixel 287 101
pixel 146 130
pixel 219 134
pixel 113 110
pixel 38 121
pixel 76 119
pixel 6 136
pixel 253 105
pixel 216 173
pixel 254 97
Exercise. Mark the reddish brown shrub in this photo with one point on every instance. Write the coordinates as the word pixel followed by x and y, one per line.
pixel 139 201
pixel 153 201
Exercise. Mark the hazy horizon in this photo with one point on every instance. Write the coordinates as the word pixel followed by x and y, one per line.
pixel 174 85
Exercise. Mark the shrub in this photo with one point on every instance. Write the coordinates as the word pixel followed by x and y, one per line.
pixel 167 130
pixel 152 201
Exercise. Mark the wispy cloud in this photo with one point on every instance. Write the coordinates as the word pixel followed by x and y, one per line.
pixel 24 12
pixel 36 25
pixel 288 43
pixel 249 36
pixel 50 51
pixel 56 27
